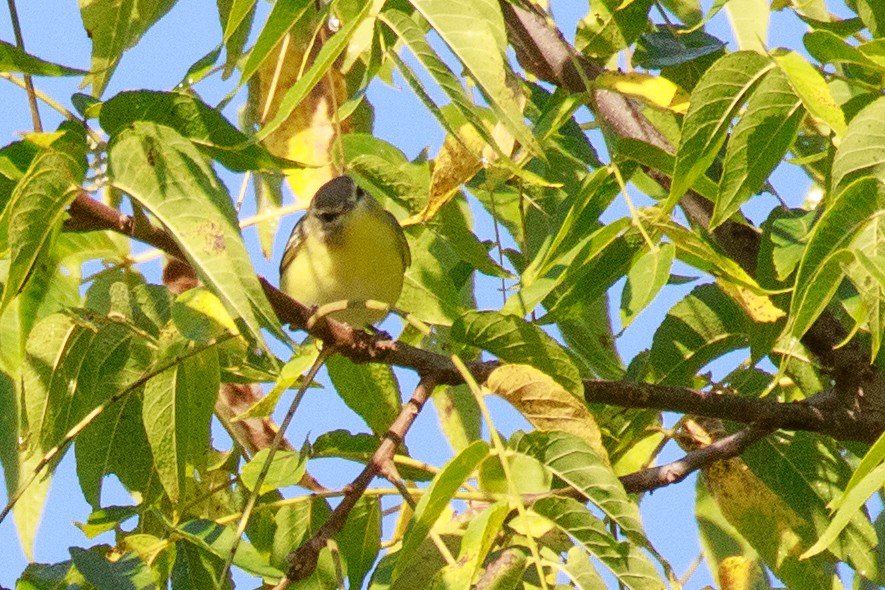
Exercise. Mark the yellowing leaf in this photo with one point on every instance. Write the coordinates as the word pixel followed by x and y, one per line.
pixel 655 91
pixel 459 160
pixel 759 307
pixel 311 130
pixel 544 403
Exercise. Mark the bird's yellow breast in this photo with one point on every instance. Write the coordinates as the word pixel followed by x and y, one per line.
pixel 364 262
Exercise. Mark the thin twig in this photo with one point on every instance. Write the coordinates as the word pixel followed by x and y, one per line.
pixel 272 449
pixel 303 560
pixel 29 83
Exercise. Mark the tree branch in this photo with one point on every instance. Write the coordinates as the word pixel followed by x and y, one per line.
pixel 808 415
pixel 303 560
pixel 724 448
pixel 817 416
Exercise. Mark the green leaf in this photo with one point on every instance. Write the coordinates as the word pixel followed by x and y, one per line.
pixel 369 389
pixel 714 104
pixel 811 472
pixel 236 38
pixel 360 539
pixel 204 126
pixel 700 328
pixel 515 340
pixel 35 212
pixel 284 15
pixel 178 406
pixel 331 51
pixel 414 38
pixel 474 31
pixel 238 12
pixel 868 277
pixel 860 154
pixel 9 428
pixel 576 463
pixel 481 533
pixel 688 11
pixel 623 559
pixel 788 232
pixel 872 13
pixel 163 171
pixel 458 414
pixel 285 470
pixel 428 290
pixel 436 498
pixel 720 540
pixel 114 26
pixel 855 209
pixel 749 21
pixel 13 59
pixel 65 365
pixel 646 278
pixel 294 525
pixel 587 331
pixel 664 49
pixel 122 573
pixel 828 47
pixel 218 540
pixel 810 85
pixel 610 26
pixel 758 143
pixel 849 505
pixel 657 159
pixel 567 269
pixel 195 569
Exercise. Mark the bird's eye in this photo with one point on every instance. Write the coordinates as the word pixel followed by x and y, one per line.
pixel 327 217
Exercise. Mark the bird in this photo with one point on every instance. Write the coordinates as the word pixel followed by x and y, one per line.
pixel 346 247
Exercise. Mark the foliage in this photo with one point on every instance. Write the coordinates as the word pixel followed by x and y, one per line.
pixel 126 367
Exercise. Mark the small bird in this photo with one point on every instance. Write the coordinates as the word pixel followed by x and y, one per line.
pixel 347 247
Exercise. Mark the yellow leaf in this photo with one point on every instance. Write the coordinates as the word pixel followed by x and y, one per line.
pixel 759 307
pixel 310 133
pixel 654 91
pixel 545 404
pixel 459 160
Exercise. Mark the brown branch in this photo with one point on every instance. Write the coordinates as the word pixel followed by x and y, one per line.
pixel 303 560
pixel 808 415
pixel 724 448
pixel 831 419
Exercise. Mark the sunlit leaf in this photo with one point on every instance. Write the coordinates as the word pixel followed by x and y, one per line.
pixel 474 31
pixel 758 143
pixel 623 559
pixel 184 193
pixel 714 103
pixel 371 390
pixel 749 21
pixel 115 26
pixel 810 86
pixel 178 406
pixel 611 25
pixel 193 119
pixel 436 498
pixel 13 59
pixel 646 277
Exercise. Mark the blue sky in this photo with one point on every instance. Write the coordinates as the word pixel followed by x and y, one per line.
pixel 53 31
